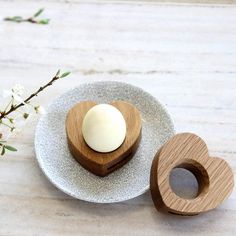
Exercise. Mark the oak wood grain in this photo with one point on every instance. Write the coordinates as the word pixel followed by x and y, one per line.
pixel 183 54
pixel 214 176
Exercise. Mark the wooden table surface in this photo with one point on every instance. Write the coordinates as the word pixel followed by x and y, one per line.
pixel 183 54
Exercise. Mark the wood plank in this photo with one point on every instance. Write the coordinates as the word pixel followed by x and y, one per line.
pixel 183 54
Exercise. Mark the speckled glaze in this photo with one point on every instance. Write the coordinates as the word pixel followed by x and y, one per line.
pixel 69 176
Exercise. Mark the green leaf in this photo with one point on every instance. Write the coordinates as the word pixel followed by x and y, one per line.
pixel 44 21
pixel 3 150
pixel 14 18
pixel 58 73
pixel 10 148
pixel 65 74
pixel 38 12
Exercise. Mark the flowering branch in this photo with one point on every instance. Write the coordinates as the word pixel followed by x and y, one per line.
pixel 33 19
pixel 11 107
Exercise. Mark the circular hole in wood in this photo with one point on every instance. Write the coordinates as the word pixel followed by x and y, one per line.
pixel 184 183
pixel 189 179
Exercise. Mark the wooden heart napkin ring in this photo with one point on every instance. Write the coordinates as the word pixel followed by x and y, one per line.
pixel 102 163
pixel 215 177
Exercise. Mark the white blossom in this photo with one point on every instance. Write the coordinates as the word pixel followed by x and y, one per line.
pixel 40 110
pixel 10 93
pixel 18 89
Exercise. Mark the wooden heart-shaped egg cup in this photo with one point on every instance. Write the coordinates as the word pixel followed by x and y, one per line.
pixel 102 164
pixel 215 177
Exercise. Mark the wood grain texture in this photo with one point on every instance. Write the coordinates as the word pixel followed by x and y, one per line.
pixel 103 164
pixel 184 55
pixel 214 175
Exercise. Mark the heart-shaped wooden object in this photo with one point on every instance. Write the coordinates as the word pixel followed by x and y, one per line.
pixel 215 177
pixel 102 163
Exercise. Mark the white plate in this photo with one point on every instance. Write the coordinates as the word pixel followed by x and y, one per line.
pixel 69 176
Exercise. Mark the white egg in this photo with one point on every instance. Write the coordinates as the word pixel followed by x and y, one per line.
pixel 104 128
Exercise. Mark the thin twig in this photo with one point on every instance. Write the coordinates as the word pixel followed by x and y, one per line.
pixel 33 19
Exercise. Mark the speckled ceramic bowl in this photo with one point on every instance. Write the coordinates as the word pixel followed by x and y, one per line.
pixel 69 176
